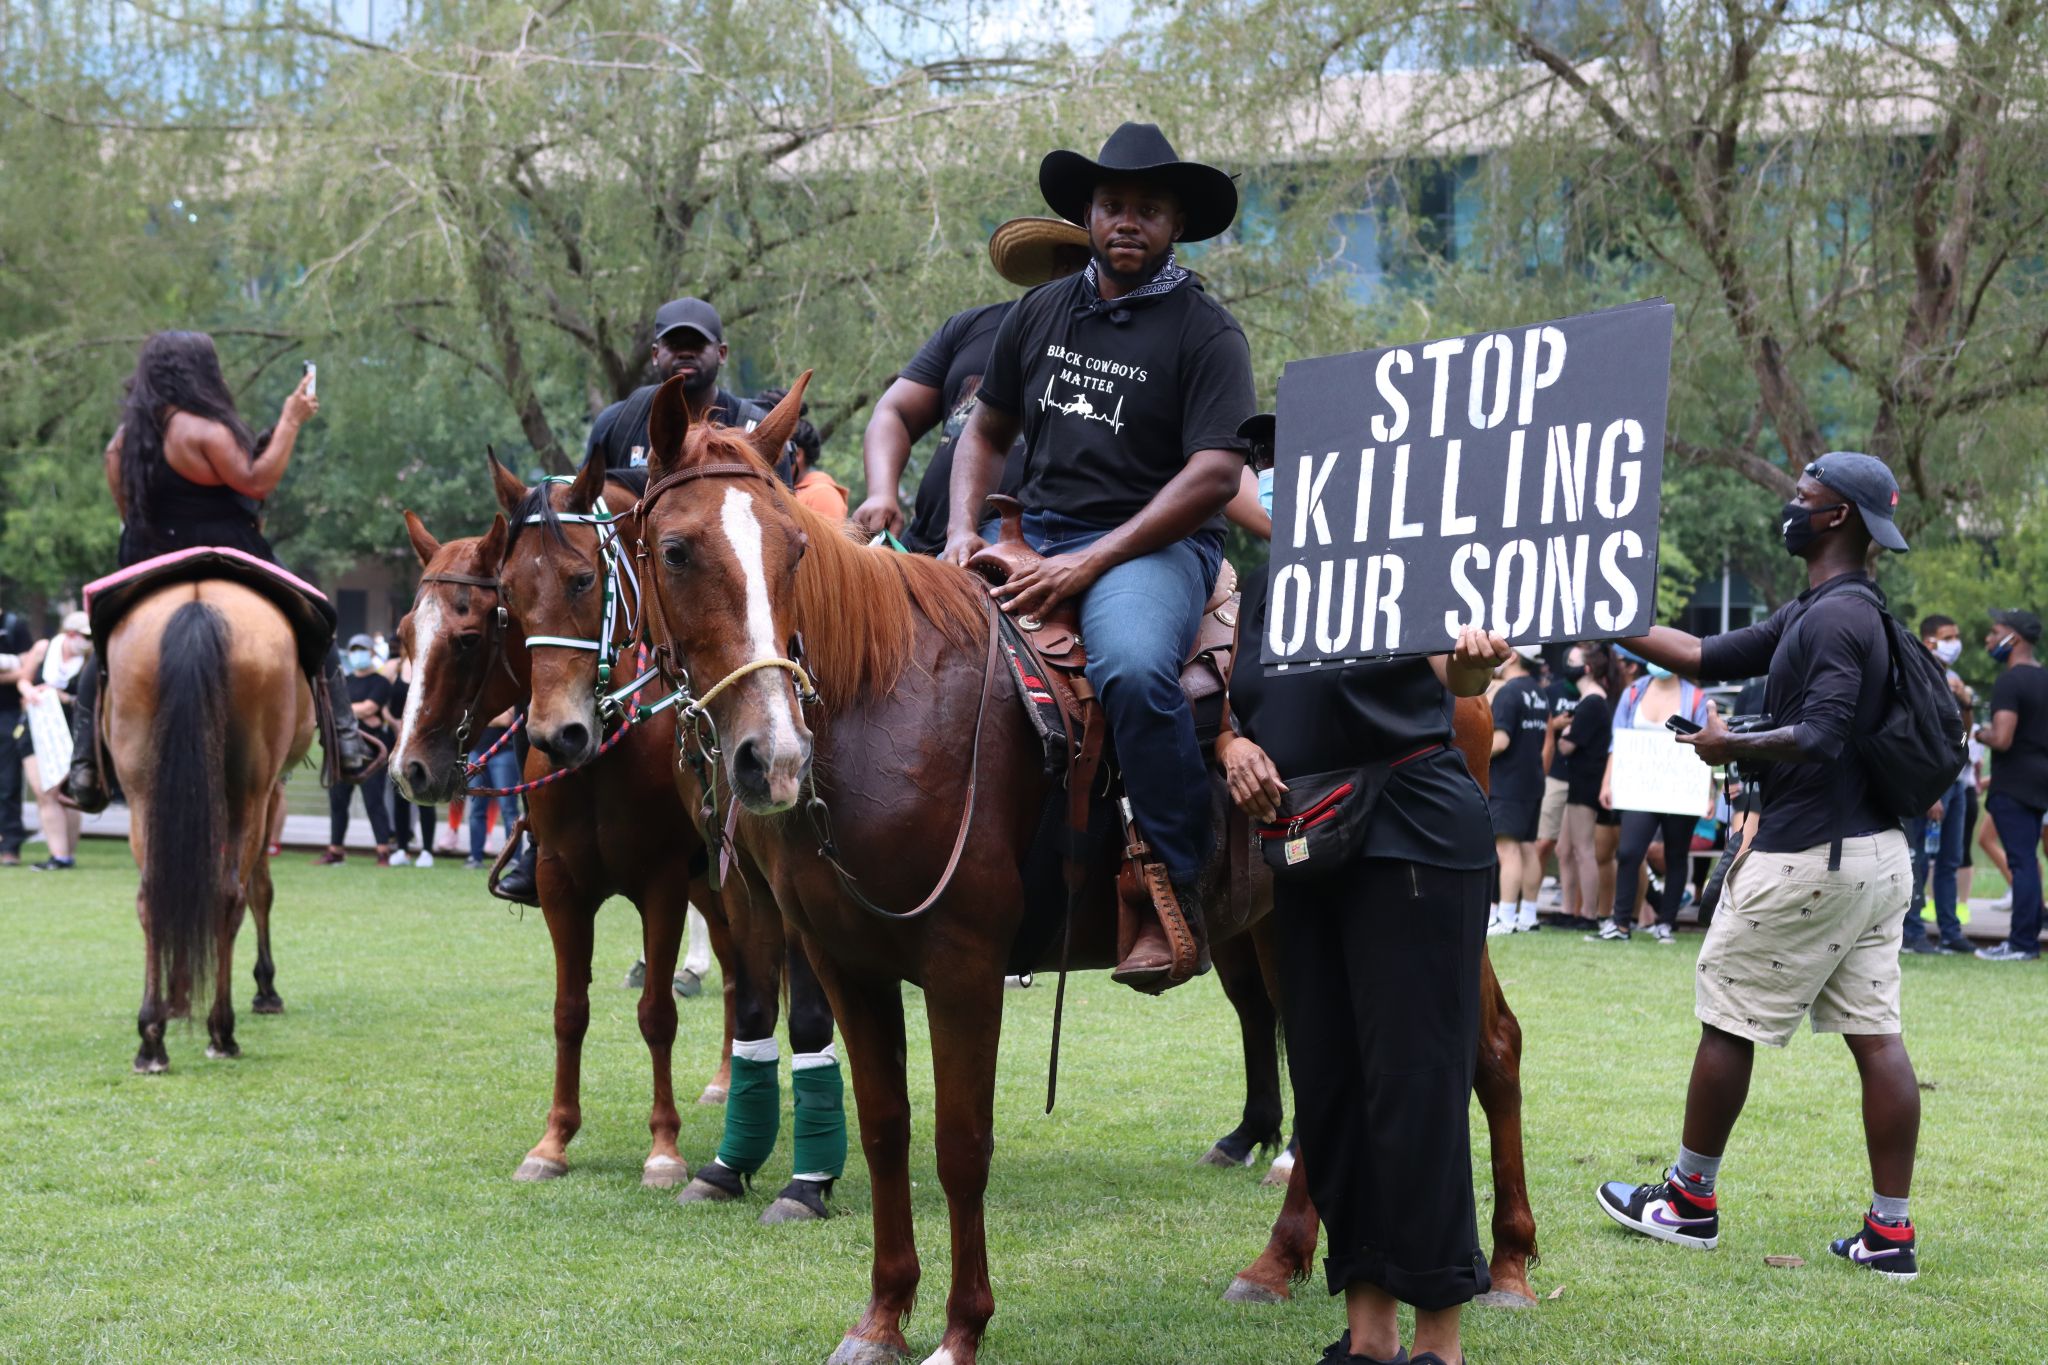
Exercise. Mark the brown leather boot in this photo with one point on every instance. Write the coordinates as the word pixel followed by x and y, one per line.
pixel 1170 947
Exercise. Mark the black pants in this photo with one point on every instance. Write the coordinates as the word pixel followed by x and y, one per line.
pixel 1638 830
pixel 376 801
pixel 14 750
pixel 403 814
pixel 1379 976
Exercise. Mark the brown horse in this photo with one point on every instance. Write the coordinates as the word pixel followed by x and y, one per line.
pixel 616 828
pixel 912 746
pixel 206 708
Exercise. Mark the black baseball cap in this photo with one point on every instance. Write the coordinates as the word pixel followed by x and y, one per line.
pixel 1866 481
pixel 2021 622
pixel 694 314
pixel 1258 430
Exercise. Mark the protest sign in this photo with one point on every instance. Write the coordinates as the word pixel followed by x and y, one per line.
pixel 1654 772
pixel 50 736
pixel 1509 479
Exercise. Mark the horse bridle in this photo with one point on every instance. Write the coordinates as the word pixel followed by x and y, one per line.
pixel 696 719
pixel 497 621
pixel 616 572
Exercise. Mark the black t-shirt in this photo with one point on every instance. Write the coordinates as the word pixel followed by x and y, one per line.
pixel 1563 699
pixel 1591 733
pixel 620 431
pixel 1826 661
pixel 952 362
pixel 373 687
pixel 1116 397
pixel 1314 720
pixel 17 639
pixel 1521 709
pixel 2021 772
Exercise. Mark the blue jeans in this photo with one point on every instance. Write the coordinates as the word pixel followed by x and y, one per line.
pixel 1947 860
pixel 1139 622
pixel 2019 829
pixel 501 771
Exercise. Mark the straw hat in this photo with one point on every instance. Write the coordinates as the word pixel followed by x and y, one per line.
pixel 1025 251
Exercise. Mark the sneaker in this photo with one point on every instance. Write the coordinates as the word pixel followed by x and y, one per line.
pixel 398 859
pixel 329 858
pixel 1882 1247
pixel 1525 919
pixel 1339 1352
pixel 425 859
pixel 1017 983
pixel 1610 932
pixel 1923 945
pixel 1664 934
pixel 1663 1211
pixel 52 864
pixel 472 863
pixel 2005 952
pixel 1958 947
pixel 636 975
pixel 1500 922
pixel 2002 904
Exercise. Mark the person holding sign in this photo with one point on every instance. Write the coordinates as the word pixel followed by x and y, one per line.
pixel 1646 709
pixel 1128 383
pixel 1810 915
pixel 1381 913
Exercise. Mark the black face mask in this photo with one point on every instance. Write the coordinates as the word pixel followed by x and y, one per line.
pixel 1574 672
pixel 1797 526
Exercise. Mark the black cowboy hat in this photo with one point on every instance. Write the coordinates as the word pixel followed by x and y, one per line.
pixel 1208 197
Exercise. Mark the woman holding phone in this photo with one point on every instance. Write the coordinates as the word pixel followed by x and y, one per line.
pixel 1653 702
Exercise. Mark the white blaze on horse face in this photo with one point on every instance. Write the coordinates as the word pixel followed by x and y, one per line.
pixel 426 629
pixel 743 529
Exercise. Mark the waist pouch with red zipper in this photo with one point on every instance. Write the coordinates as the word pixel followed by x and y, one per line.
pixel 1324 816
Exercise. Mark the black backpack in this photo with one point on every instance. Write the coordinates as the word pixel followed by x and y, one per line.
pixel 1914 752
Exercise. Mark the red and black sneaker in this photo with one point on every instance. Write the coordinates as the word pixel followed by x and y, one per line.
pixel 1663 1211
pixel 1884 1247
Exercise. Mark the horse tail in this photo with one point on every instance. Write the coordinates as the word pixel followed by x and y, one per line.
pixel 184 876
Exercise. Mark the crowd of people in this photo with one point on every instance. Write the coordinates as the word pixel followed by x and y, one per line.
pixel 1114 400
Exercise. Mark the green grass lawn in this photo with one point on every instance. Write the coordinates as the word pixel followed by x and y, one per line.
pixel 344 1190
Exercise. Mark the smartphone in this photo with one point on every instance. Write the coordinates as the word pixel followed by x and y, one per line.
pixel 1679 725
pixel 312 379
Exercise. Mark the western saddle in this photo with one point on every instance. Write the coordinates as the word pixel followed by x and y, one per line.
pixel 1049 661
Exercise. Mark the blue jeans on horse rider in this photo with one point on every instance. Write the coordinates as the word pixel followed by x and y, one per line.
pixel 1138 622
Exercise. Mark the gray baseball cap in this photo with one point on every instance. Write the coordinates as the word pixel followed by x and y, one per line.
pixel 1866 481
pixel 695 314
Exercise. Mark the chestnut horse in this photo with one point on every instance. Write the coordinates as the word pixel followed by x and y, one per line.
pixel 614 829
pixel 913 779
pixel 206 707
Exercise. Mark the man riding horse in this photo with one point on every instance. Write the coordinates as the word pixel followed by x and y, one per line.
pixel 185 472
pixel 1124 495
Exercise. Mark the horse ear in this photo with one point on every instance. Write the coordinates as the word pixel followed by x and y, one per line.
pixel 510 491
pixel 423 544
pixel 583 493
pixel 668 422
pixel 490 550
pixel 779 425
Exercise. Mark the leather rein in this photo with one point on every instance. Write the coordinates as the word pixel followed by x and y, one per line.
pixel 701 754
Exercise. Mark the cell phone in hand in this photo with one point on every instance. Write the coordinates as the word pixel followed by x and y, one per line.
pixel 1679 725
pixel 312 379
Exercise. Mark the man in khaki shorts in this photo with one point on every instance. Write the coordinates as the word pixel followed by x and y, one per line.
pixel 1812 915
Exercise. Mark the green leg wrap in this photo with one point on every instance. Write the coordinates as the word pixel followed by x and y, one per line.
pixel 753 1111
pixel 820 1122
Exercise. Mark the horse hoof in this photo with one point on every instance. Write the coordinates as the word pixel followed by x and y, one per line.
pixel 788 1211
pixel 1505 1298
pixel 1245 1291
pixel 858 1351
pixel 943 1356
pixel 269 1004
pixel 150 1067
pixel 1280 1172
pixel 664 1172
pixel 702 1191
pixel 223 1054
pixel 713 1094
pixel 536 1168
pixel 1217 1156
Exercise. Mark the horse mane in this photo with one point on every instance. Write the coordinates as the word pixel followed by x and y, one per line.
pixel 540 503
pixel 857 607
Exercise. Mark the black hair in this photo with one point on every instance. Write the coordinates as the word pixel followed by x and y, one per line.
pixel 1930 624
pixel 176 371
